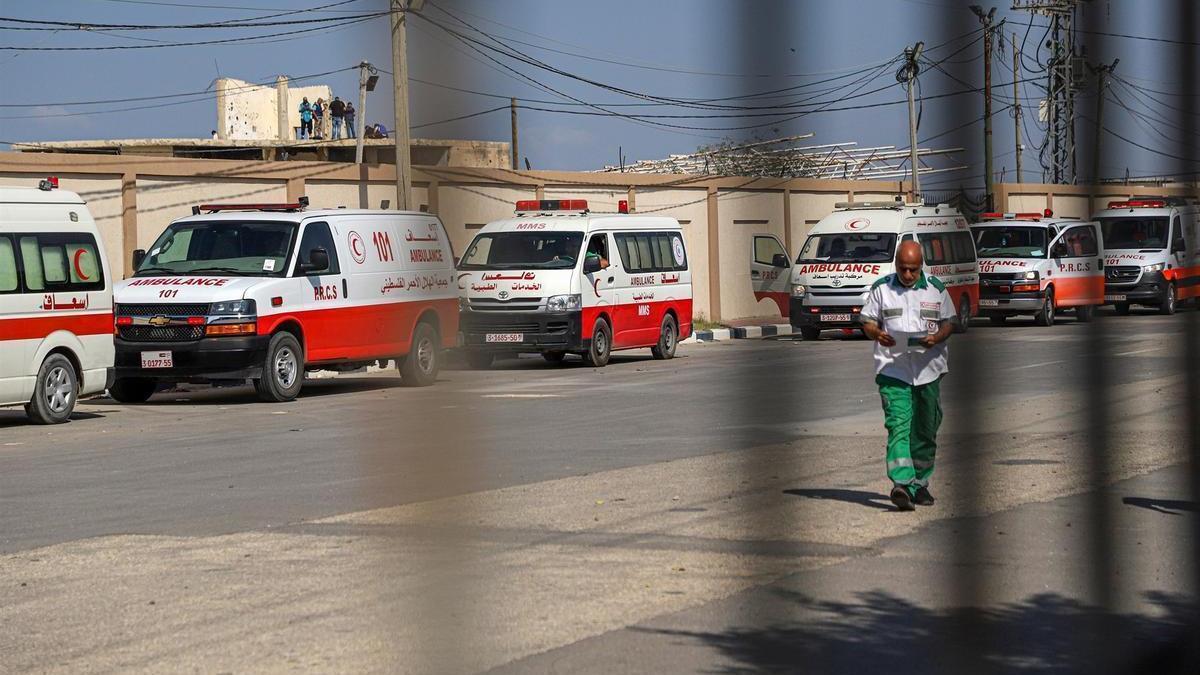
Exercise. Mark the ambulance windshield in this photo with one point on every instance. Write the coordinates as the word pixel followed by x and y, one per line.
pixel 523 250
pixel 225 248
pixel 1139 233
pixel 1011 241
pixel 848 247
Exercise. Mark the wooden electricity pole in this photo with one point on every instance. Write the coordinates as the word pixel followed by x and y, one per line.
pixel 400 9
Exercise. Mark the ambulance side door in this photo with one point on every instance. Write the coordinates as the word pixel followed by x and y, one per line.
pixel 14 354
pixel 1077 266
pixel 599 289
pixel 1178 260
pixel 328 326
pixel 771 271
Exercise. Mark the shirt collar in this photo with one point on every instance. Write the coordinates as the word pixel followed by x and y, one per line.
pixel 919 286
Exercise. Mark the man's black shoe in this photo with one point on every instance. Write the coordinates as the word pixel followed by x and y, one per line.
pixel 901 499
pixel 923 498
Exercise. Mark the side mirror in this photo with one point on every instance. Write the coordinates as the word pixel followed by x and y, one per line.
pixel 139 256
pixel 1178 246
pixel 318 261
pixel 779 260
pixel 591 264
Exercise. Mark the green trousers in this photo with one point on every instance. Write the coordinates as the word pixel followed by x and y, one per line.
pixel 912 415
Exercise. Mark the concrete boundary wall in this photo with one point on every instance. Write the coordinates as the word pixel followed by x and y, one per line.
pixel 134 198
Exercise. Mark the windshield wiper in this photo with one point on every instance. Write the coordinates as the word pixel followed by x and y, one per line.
pixel 155 269
pixel 227 270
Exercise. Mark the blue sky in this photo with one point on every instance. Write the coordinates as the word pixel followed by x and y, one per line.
pixel 694 49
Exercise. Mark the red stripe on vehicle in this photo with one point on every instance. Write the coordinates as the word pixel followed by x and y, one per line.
pixel 36 328
pixel 365 332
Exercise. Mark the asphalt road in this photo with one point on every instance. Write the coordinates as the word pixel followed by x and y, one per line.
pixel 536 511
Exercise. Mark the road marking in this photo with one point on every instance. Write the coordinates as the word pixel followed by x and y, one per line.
pixel 522 396
pixel 1139 351
pixel 1039 365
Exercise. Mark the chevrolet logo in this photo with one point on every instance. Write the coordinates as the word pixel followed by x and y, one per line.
pixel 159 321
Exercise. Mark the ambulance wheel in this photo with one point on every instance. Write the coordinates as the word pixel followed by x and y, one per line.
pixel 420 368
pixel 1046 316
pixel 598 354
pixel 1167 306
pixel 480 360
pixel 810 333
pixel 668 339
pixel 964 315
pixel 283 370
pixel 55 391
pixel 132 389
pixel 554 357
pixel 997 319
pixel 1122 308
pixel 1085 313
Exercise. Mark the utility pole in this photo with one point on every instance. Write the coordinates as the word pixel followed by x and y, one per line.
pixel 1063 75
pixel 516 154
pixel 1017 104
pixel 400 9
pixel 988 169
pixel 367 78
pixel 909 76
pixel 1102 72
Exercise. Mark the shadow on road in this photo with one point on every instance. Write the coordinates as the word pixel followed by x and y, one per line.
pixel 860 497
pixel 1045 633
pixel 16 417
pixel 1171 507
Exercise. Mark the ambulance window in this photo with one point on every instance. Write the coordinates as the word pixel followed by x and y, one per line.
pixel 8 266
pixel 61 263
pixel 765 250
pixel 317 235
pixel 1177 233
pixel 964 247
pixel 175 249
pixel 936 249
pixel 598 245
pixel 646 251
pixel 1081 242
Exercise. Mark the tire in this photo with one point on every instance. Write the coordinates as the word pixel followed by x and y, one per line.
pixel 1045 317
pixel 283 370
pixel 554 357
pixel 1122 308
pixel 668 339
pixel 964 315
pixel 132 389
pixel 1085 313
pixel 1170 297
pixel 998 319
pixel 55 391
pixel 810 333
pixel 601 350
pixel 480 360
pixel 420 368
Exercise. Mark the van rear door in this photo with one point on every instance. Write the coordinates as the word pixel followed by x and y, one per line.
pixel 770 271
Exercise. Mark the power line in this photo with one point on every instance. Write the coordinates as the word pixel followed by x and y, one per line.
pixel 191 5
pixel 256 39
pixel 257 22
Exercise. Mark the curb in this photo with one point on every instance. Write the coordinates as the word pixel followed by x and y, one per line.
pixel 744 332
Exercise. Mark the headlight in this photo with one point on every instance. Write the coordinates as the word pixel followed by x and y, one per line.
pixel 1153 268
pixel 564 303
pixel 1031 275
pixel 799 291
pixel 233 308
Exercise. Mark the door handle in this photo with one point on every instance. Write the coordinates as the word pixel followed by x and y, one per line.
pixel 345 289
pixel 610 279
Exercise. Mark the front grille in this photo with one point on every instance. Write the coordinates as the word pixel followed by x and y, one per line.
pixel 492 305
pixel 1122 273
pixel 161 333
pixel 1006 276
pixel 174 309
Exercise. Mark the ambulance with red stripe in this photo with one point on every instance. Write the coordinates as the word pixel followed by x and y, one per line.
pixel 1037 264
pixel 557 279
pixel 851 248
pixel 266 292
pixel 1151 253
pixel 55 302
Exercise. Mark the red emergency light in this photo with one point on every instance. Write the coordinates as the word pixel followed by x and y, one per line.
pixel 996 215
pixel 991 215
pixel 527 205
pixel 623 206
pixel 1048 213
pixel 49 183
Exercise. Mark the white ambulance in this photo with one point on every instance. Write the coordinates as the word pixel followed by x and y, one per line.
pixel 1036 264
pixel 1151 253
pixel 56 341
pixel 851 248
pixel 266 292
pixel 557 279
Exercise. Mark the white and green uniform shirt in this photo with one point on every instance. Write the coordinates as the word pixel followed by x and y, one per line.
pixel 908 314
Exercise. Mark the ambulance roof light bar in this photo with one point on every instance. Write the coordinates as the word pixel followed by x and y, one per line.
pixel 996 215
pixel 49 183
pixel 547 205
pixel 298 205
pixel 897 203
pixel 1139 204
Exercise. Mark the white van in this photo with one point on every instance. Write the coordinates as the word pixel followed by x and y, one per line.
pixel 1151 253
pixel 1036 264
pixel 558 279
pixel 851 248
pixel 56 327
pixel 266 292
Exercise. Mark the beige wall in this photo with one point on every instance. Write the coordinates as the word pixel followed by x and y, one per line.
pixel 247 111
pixel 162 200
pixel 741 216
pixel 463 208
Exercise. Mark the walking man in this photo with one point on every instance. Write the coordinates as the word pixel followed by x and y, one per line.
pixel 337 111
pixel 306 119
pixel 910 317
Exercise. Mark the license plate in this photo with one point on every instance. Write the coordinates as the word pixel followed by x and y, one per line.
pixel 158 360
pixel 505 337
pixel 835 318
pixel 1115 298
pixel 989 303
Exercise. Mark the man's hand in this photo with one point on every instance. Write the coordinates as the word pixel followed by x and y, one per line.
pixel 873 331
pixel 945 330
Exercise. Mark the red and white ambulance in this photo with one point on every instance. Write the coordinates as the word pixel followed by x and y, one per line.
pixel 557 279
pixel 1036 264
pixel 266 292
pixel 1151 253
pixel 55 302
pixel 851 248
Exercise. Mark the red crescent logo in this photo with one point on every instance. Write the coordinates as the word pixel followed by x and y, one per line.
pixel 358 250
pixel 78 269
pixel 858 224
